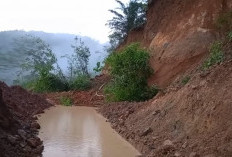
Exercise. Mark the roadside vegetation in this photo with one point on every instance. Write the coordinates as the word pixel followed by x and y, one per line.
pixel 129 70
pixel 41 73
pixel 66 101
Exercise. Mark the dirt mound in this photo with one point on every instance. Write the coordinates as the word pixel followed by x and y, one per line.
pixel 92 97
pixel 18 128
pixel 194 120
pixel 23 103
pixel 178 35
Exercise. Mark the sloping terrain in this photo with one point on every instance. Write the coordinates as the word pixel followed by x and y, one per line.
pixel 194 120
pixel 18 128
pixel 183 120
pixel 178 35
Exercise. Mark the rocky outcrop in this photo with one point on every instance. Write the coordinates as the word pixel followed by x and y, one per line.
pixel 178 35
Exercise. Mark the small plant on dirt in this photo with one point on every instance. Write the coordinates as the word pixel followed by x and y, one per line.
pixel 129 70
pixel 152 91
pixel 66 101
pixel 185 80
pixel 230 36
pixel 216 55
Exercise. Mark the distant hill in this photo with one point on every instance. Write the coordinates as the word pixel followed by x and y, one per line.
pixel 10 60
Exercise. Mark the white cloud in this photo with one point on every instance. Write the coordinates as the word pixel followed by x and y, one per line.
pixel 58 16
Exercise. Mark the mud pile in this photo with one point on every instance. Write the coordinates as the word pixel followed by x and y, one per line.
pixel 18 126
pixel 192 120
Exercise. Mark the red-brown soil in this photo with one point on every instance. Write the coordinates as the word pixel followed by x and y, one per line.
pixel 191 120
pixel 18 127
pixel 91 97
pixel 178 35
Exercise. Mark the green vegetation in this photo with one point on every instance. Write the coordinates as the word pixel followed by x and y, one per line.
pixel 98 67
pixel 216 55
pixel 230 36
pixel 78 62
pixel 48 82
pixel 41 73
pixel 185 80
pixel 129 70
pixel 126 17
pixel 81 82
pixel 66 101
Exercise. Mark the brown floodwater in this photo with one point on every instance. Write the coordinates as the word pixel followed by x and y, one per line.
pixel 80 132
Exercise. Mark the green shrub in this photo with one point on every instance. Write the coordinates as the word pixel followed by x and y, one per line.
pixel 129 70
pixel 66 101
pixel 81 82
pixel 185 80
pixel 216 55
pixel 47 82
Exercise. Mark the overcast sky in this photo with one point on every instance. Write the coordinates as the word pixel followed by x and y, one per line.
pixel 83 17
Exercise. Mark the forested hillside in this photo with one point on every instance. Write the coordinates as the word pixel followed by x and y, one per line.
pixel 10 58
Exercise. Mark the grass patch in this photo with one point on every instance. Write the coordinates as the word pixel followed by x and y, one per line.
pixel 66 101
pixel 185 80
pixel 216 55
pixel 230 36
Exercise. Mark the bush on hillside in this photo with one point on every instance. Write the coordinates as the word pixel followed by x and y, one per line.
pixel 129 70
pixel 81 82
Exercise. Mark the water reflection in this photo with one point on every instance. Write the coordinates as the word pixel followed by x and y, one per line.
pixel 80 132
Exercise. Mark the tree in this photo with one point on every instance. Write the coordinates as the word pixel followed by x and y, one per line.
pixel 128 17
pixel 79 60
pixel 39 72
pixel 39 56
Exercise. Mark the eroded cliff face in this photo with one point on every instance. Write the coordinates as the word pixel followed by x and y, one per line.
pixel 178 34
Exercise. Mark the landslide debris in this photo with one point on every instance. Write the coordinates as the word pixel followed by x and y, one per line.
pixel 18 126
pixel 192 120
pixel 91 97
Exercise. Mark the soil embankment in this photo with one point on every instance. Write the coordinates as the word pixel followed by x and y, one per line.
pixel 178 35
pixel 192 120
pixel 18 126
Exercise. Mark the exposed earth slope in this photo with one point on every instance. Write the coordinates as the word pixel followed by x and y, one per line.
pixel 194 119
pixel 178 35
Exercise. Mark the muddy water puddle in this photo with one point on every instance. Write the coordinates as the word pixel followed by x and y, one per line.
pixel 80 132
